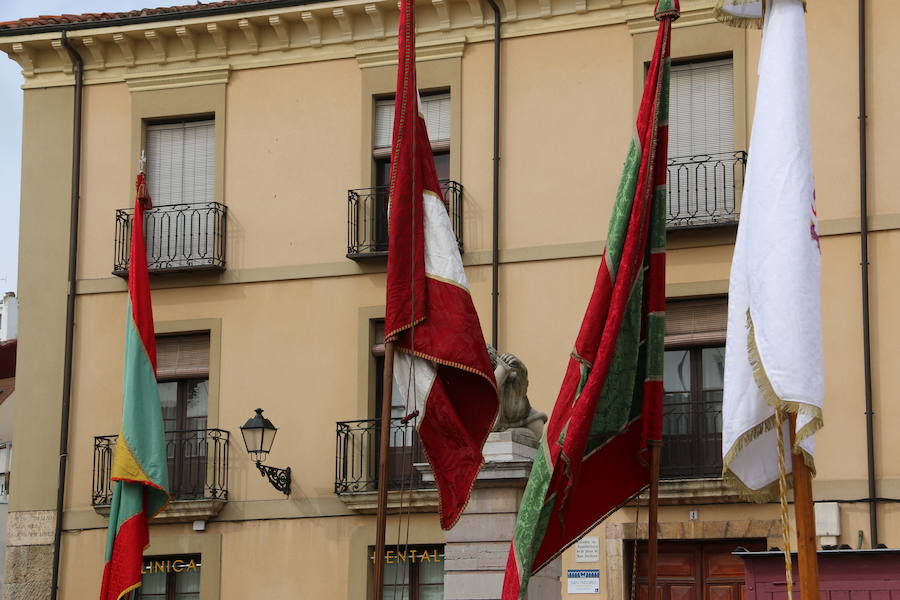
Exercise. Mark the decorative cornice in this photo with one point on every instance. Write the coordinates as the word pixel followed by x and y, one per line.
pixel 436 50
pixel 163 80
pixel 337 29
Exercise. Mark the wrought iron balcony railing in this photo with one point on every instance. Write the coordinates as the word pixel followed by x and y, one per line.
pixel 367 219
pixel 357 453
pixel 180 237
pixel 704 189
pixel 198 465
pixel 692 440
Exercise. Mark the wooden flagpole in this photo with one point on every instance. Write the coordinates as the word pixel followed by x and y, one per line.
pixel 804 515
pixel 383 467
pixel 652 520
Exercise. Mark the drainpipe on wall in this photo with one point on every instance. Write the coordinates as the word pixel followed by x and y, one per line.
pixel 864 263
pixel 495 242
pixel 70 311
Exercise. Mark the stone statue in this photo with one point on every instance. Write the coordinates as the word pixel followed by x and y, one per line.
pixel 516 413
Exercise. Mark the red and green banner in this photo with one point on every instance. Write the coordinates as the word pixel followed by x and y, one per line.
pixel 140 470
pixel 595 451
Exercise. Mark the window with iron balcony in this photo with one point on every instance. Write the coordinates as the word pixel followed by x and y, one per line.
pixel 705 171
pixel 367 216
pixel 185 229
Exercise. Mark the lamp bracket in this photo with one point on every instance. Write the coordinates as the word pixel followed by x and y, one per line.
pixel 279 478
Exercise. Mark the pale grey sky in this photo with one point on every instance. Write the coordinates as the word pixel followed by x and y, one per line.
pixel 11 117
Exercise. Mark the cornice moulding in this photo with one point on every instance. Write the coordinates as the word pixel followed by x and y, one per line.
pixel 162 80
pixel 361 29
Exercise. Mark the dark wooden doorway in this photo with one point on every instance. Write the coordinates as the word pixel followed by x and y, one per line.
pixel 695 570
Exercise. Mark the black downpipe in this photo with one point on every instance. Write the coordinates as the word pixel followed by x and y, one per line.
pixel 70 312
pixel 495 243
pixel 864 263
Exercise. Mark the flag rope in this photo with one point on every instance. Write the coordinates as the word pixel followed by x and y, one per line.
pixel 785 518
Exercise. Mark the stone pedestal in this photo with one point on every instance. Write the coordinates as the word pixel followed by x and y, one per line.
pixel 476 549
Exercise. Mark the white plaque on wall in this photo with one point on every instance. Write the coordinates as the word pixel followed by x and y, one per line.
pixel 583 581
pixel 587 549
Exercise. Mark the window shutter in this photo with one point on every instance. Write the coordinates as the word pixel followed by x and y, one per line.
pixel 696 322
pixel 181 162
pixel 182 356
pixel 701 108
pixel 436 109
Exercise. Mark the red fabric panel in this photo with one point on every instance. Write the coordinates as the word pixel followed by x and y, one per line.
pixel 138 276
pixel 123 572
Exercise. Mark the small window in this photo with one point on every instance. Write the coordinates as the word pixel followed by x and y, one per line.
pixel 183 375
pixel 436 108
pixel 170 578
pixel 413 572
pixel 693 380
pixel 704 168
pixel 5 465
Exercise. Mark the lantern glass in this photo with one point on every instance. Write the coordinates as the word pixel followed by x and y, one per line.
pixel 259 435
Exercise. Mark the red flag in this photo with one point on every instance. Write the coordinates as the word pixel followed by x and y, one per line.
pixel 442 368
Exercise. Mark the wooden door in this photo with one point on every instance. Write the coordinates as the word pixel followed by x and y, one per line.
pixel 695 570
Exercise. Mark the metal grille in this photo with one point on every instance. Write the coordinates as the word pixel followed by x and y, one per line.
pixel 703 189
pixel 367 218
pixel 197 460
pixel 180 237
pixel 357 452
pixel 692 439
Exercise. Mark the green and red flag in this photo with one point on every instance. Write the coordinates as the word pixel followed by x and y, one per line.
pixel 140 469
pixel 594 454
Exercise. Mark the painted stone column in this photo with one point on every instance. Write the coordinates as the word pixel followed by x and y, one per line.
pixel 476 549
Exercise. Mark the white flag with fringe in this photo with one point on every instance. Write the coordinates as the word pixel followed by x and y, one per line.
pixel 774 346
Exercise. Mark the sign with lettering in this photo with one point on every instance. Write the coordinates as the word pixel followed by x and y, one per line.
pixel 583 581
pixel 587 549
pixel 412 555
pixel 170 564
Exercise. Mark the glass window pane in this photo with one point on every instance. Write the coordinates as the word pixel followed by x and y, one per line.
pixel 431 572
pixel 677 371
pixel 197 394
pixel 713 368
pixel 395 574
pixel 431 592
pixel 392 592
pixel 153 585
pixel 187 585
pixel 168 399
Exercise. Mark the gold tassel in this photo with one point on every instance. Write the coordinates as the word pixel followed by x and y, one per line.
pixel 742 13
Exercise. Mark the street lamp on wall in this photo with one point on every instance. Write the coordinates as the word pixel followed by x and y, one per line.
pixel 259 434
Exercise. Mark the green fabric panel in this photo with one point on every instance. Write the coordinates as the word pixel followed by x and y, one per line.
pixel 127 501
pixel 658 219
pixel 664 95
pixel 585 373
pixel 621 213
pixel 142 424
pixel 614 409
pixel 656 326
pixel 531 523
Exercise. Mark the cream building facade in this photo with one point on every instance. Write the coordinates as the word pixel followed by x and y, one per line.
pixel 260 121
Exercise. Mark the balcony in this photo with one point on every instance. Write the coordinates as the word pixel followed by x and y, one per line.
pixel 180 237
pixel 198 473
pixel 367 220
pixel 704 190
pixel 692 440
pixel 356 466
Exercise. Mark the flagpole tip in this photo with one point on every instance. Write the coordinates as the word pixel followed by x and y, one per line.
pixel 667 9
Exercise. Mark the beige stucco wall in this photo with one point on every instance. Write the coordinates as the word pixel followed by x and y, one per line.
pixel 289 305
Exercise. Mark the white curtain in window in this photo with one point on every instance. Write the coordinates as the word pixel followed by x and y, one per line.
pixel 701 108
pixel 436 109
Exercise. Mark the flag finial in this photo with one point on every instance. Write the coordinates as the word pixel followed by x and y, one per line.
pixel 667 9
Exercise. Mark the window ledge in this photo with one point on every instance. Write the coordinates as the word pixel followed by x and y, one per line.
pixel 419 501
pixel 180 511
pixel 674 492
